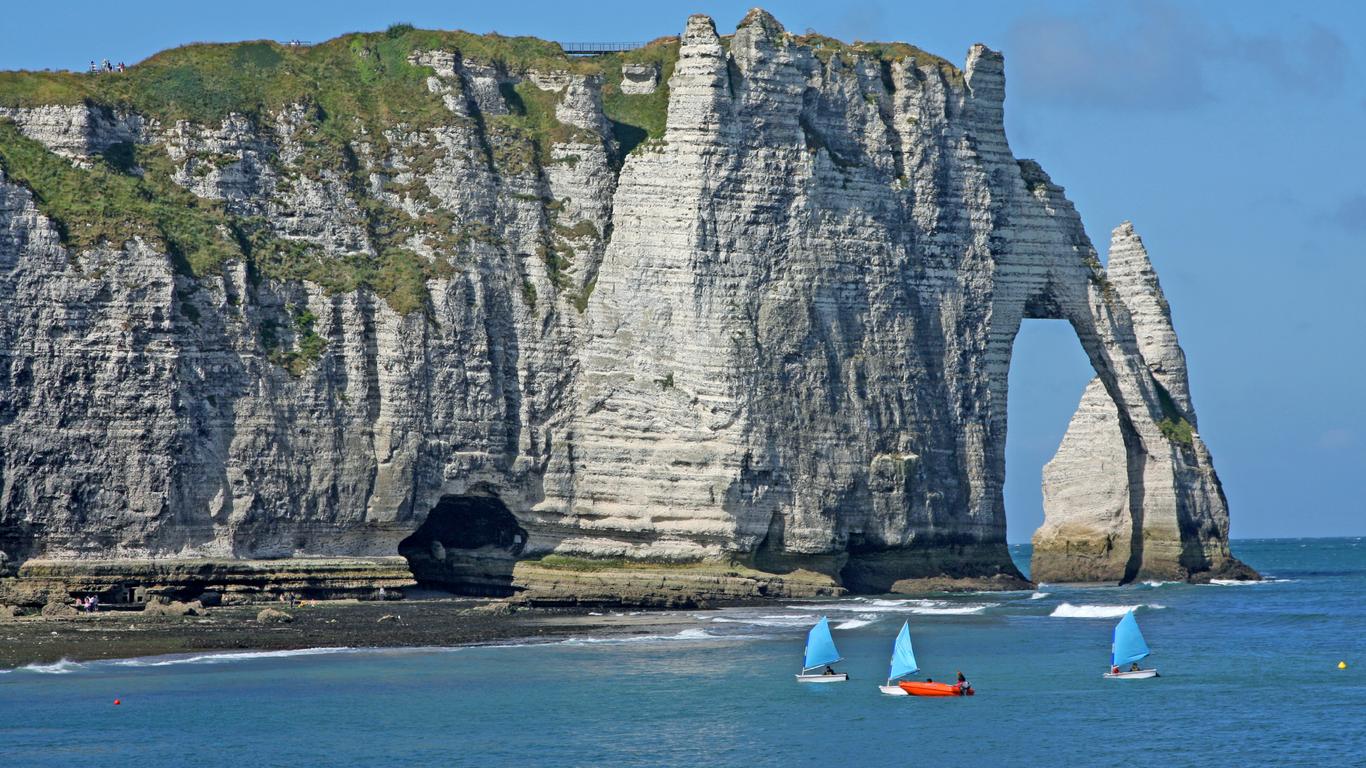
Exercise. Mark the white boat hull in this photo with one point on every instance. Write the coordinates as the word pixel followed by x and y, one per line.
pixel 842 677
pixel 1141 674
pixel 892 690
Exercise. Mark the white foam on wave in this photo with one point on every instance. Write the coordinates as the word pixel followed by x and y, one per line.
pixel 233 656
pixel 956 610
pixel 765 621
pixel 1038 595
pixel 856 605
pixel 878 602
pixel 1156 584
pixel 855 623
pixel 1069 611
pixel 694 633
pixel 63 667
pixel 1245 582
pixel 909 605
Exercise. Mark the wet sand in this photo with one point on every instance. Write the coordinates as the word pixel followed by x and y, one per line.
pixel 341 623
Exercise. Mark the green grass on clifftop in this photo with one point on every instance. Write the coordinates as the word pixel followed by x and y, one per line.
pixel 826 48
pixel 355 89
pixel 365 77
pixel 637 118
pixel 362 79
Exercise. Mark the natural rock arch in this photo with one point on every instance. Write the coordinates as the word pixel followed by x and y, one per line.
pixel 1131 492
pixel 780 331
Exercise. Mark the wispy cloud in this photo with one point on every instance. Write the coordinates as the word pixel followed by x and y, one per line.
pixel 1312 60
pixel 1157 56
pixel 1351 214
pixel 1337 439
pixel 1144 62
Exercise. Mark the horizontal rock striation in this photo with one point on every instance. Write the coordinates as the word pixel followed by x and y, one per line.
pixel 1118 507
pixel 743 302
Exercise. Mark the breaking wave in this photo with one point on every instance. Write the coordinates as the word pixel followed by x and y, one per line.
pixel 951 610
pixel 63 667
pixel 694 633
pixel 1069 611
pixel 765 621
pixel 908 605
pixel 66 666
pixel 854 623
pixel 222 658
pixel 1038 595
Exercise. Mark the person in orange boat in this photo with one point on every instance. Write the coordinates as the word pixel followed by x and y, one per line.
pixel 963 685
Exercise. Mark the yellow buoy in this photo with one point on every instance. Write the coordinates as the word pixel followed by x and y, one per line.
pixel 1342 665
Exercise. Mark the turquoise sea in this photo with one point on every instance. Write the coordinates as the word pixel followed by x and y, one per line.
pixel 1249 677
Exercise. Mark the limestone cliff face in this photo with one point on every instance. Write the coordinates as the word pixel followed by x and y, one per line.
pixel 778 333
pixel 1117 508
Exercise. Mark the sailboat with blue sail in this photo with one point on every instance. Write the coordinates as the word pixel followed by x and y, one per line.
pixel 1129 647
pixel 903 662
pixel 821 652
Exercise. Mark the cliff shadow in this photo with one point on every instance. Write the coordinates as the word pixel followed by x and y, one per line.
pixel 1137 463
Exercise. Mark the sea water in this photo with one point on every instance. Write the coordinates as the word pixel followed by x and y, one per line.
pixel 1249 677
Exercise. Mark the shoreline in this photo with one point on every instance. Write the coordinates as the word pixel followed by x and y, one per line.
pixel 434 623
pixel 430 621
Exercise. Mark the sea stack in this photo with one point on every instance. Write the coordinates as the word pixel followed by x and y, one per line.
pixel 1122 504
pixel 435 306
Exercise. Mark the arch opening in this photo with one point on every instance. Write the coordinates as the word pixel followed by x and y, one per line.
pixel 468 545
pixel 1048 373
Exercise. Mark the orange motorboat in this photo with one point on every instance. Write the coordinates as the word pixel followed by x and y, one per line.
pixel 934 689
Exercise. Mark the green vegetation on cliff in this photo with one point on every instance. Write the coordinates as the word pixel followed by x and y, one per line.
pixel 639 117
pixel 359 82
pixel 308 345
pixel 354 91
pixel 103 204
pixel 826 48
pixel 1174 426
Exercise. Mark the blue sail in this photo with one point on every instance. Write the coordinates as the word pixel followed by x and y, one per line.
pixel 903 656
pixel 1129 645
pixel 820 646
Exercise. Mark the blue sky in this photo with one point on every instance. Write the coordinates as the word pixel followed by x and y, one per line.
pixel 1230 133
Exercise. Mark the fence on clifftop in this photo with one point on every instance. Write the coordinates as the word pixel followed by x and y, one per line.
pixel 596 49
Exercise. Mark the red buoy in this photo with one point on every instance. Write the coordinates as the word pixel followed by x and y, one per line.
pixel 117 702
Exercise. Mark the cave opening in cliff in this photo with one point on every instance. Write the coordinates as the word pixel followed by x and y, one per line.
pixel 1048 372
pixel 468 545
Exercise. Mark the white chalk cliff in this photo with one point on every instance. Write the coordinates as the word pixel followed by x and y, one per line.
pixel 778 335
pixel 1117 508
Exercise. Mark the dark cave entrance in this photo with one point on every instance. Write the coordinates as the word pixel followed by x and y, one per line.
pixel 468 544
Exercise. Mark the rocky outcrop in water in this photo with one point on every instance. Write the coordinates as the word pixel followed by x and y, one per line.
pixel 1117 508
pixel 758 313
